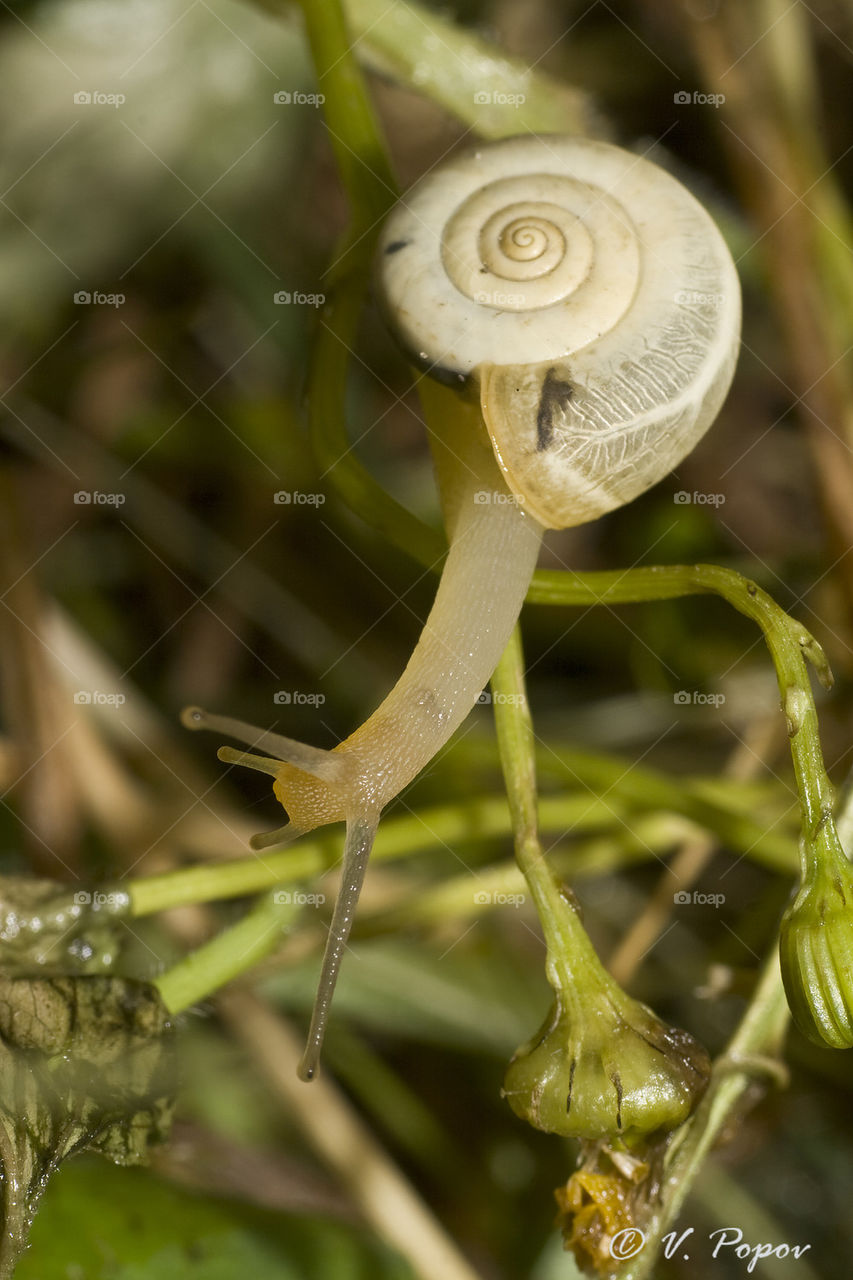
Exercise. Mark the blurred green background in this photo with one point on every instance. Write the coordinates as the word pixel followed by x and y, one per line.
pixel 146 363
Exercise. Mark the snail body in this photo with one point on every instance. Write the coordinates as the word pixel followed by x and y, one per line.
pixel 591 303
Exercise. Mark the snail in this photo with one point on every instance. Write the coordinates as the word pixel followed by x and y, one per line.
pixel 588 309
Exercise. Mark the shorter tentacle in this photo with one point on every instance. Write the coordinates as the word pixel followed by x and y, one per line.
pixel 360 835
pixel 262 764
pixel 277 839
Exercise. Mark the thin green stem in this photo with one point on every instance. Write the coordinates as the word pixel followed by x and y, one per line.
pixel 357 141
pixel 789 642
pixel 503 884
pixel 327 418
pixel 650 789
pixel 366 173
pixel 609 799
pixel 228 954
pixel 565 936
pixel 398 837
pixel 238 948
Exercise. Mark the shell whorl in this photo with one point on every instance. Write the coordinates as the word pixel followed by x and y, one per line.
pixel 590 295
pixel 516 254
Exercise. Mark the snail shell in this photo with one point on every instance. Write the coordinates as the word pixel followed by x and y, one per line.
pixel 591 297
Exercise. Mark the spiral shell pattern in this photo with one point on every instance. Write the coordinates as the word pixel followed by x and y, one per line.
pixel 589 294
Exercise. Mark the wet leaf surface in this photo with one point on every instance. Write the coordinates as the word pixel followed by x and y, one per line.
pixel 143 1228
pixel 85 1063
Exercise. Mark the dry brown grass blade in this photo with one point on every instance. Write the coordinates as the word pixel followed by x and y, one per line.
pixel 38 713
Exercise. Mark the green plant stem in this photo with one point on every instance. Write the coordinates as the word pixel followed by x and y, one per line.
pixel 476 81
pixel 788 641
pixel 473 821
pixel 514 728
pixel 396 838
pixel 203 971
pixel 790 644
pixel 368 179
pixel 504 884
pixel 650 789
pixel 238 948
pixel 610 800
pixel 757 1041
pixel 357 141
pixel 327 417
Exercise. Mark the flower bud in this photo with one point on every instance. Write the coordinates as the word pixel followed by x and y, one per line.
pixel 816 954
pixel 606 1066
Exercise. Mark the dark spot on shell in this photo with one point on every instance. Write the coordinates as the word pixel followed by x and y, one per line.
pixel 396 246
pixel 555 397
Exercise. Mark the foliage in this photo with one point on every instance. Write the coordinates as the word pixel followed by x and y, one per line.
pixel 178 413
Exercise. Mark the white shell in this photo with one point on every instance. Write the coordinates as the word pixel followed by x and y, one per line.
pixel 591 296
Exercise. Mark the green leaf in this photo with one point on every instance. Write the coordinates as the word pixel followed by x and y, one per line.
pixel 102 1223
pixel 84 1063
